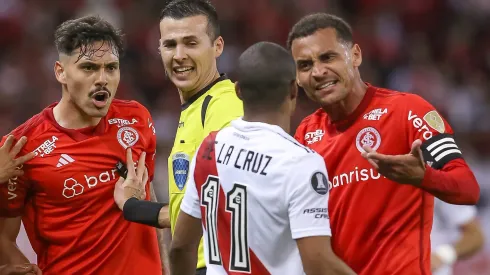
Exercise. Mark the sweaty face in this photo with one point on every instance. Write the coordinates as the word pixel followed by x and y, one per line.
pixel 91 81
pixel 188 54
pixel 326 68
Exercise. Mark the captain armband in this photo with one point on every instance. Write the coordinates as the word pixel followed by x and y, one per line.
pixel 439 150
pixel 144 212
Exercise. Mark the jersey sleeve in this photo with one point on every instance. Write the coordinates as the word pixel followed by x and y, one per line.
pixel 221 111
pixel 190 203
pixel 425 123
pixel 13 193
pixel 307 197
pixel 151 149
pixel 447 175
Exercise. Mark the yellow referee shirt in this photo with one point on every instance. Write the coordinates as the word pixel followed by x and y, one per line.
pixel 209 110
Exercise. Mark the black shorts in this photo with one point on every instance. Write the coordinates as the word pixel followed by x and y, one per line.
pixel 201 271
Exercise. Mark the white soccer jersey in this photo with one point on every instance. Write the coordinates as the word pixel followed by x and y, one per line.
pixel 445 230
pixel 256 190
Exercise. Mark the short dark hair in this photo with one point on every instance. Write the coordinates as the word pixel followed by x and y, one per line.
pixel 309 24
pixel 83 32
pixel 265 73
pixel 178 9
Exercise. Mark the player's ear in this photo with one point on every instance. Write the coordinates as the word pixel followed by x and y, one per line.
pixel 356 55
pixel 237 90
pixel 219 45
pixel 299 83
pixel 59 72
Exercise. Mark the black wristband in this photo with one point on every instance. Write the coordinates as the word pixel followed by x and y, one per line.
pixel 144 212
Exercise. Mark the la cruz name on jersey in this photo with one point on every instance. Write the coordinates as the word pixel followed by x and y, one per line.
pixel 393 216
pixel 68 187
pixel 253 184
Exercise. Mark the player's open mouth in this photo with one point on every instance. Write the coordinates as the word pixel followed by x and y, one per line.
pixel 326 85
pixel 183 70
pixel 100 98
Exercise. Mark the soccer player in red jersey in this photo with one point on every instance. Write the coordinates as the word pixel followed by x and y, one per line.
pixel 387 153
pixel 65 197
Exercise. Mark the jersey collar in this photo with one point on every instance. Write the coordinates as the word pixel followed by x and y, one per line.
pixel 76 134
pixel 247 126
pixel 203 91
pixel 334 127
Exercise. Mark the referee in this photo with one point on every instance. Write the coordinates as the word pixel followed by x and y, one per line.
pixel 190 43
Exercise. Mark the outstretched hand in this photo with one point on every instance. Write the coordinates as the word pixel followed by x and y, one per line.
pixel 9 164
pixel 134 185
pixel 406 169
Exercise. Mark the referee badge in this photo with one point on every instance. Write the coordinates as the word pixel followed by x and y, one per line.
pixel 180 165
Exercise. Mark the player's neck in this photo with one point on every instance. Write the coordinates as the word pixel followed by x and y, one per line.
pixel 68 116
pixel 342 109
pixel 273 118
pixel 185 96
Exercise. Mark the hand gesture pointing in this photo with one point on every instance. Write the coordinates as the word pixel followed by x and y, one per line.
pixel 406 169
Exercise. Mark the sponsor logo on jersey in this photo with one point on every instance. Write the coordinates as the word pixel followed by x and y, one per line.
pixel 319 182
pixel 12 185
pixel 319 213
pixel 312 137
pixel 420 126
pixel 355 176
pixel 150 125
pixel 47 147
pixel 127 137
pixel 180 165
pixel 181 124
pixel 368 136
pixel 375 114
pixel 74 187
pixel 120 122
pixel 435 121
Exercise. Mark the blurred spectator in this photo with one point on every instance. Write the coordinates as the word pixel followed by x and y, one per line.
pixel 456 234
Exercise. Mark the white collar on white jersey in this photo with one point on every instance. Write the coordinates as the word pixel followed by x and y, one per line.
pixel 247 126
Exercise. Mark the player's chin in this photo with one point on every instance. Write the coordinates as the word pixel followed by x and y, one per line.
pixel 94 111
pixel 328 99
pixel 185 85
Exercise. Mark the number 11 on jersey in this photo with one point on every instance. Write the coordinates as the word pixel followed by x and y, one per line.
pixel 236 205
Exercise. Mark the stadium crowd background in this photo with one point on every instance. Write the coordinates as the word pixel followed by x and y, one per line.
pixel 439 49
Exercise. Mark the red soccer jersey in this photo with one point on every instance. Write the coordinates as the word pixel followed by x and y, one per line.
pixel 379 226
pixel 66 195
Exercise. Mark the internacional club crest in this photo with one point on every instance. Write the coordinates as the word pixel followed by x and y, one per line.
pixel 180 165
pixel 368 136
pixel 127 137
